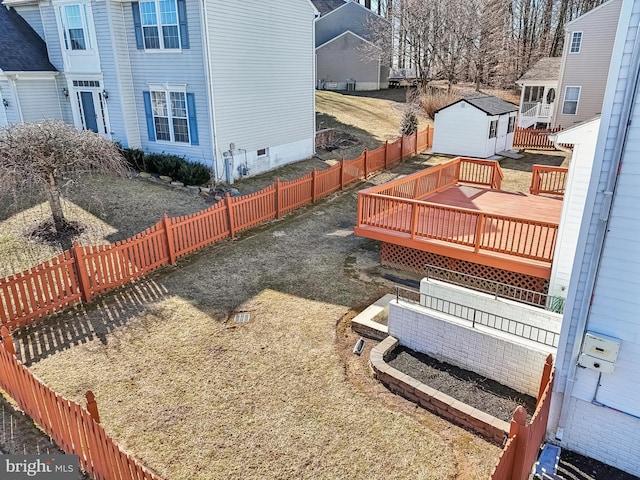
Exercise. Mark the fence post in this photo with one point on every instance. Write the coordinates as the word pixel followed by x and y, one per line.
pixel 313 186
pixel 546 374
pixel 169 234
pixel 520 430
pixel 342 173
pixel 7 341
pixel 415 137
pixel 277 198
pixel 228 203
pixel 83 276
pixel 401 147
pixel 92 406
pixel 366 169
pixel 386 153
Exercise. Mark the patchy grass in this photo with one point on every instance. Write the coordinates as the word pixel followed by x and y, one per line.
pixel 517 173
pixel 197 397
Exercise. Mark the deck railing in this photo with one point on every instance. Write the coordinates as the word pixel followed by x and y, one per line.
pixel 535 139
pixel 546 179
pixel 478 231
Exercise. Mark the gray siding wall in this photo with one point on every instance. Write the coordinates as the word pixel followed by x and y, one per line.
pixel 12 110
pixel 589 68
pixel 262 63
pixel 351 16
pixel 183 67
pixel 344 58
pixel 39 99
pixel 593 429
pixel 32 15
pixel 52 37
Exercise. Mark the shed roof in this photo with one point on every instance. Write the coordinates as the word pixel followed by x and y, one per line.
pixel 22 48
pixel 326 6
pixel 488 104
pixel 547 68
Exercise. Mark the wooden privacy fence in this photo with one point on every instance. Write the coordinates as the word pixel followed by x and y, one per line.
pixel 522 449
pixel 75 429
pixel 551 180
pixel 80 274
pixel 535 139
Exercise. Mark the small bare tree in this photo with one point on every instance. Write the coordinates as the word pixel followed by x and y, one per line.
pixel 37 156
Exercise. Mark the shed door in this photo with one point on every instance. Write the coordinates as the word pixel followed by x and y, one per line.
pixel 501 137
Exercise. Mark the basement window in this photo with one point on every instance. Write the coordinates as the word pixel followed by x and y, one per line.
pixel 262 152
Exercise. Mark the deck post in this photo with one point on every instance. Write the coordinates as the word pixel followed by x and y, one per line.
pixel 479 230
pixel 414 219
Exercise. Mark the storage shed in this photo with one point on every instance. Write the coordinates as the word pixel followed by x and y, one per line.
pixel 475 127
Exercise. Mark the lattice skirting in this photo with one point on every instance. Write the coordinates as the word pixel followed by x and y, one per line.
pixel 413 260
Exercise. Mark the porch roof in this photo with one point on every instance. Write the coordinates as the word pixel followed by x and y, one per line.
pixel 545 69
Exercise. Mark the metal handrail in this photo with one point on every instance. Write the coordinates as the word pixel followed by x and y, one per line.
pixel 552 303
pixel 479 317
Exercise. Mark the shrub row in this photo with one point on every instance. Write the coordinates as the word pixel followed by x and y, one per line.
pixel 178 168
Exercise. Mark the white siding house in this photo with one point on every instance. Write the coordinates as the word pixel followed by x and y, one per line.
pixel 475 127
pixel 595 409
pixel 583 137
pixel 229 84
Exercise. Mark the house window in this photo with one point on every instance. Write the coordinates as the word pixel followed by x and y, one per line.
pixel 170 118
pixel 571 98
pixel 512 124
pixel 576 42
pixel 74 27
pixel 160 24
pixel 493 129
pixel 170 113
pixel 262 152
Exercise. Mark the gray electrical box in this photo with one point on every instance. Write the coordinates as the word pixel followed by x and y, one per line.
pixel 599 352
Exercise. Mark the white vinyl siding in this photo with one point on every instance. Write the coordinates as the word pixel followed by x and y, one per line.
pixel 33 18
pixel 39 99
pixel 571 100
pixel 446 135
pixel 263 75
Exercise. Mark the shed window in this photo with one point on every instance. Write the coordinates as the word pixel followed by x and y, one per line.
pixel 493 129
pixel 571 99
pixel 512 123
pixel 576 42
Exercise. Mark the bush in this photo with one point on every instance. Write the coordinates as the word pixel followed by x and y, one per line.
pixel 436 98
pixel 134 157
pixel 164 164
pixel 409 124
pixel 194 173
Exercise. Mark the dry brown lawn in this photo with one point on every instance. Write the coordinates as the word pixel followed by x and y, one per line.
pixel 197 397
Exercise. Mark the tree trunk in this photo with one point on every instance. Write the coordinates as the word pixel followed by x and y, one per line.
pixel 53 195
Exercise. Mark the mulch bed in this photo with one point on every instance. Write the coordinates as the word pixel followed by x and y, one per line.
pixel 468 387
pixel 573 466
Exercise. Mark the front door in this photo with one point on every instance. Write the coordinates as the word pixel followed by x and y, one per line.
pixel 91 108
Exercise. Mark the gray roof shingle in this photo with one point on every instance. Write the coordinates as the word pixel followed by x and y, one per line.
pixel 547 68
pixel 488 104
pixel 326 6
pixel 21 48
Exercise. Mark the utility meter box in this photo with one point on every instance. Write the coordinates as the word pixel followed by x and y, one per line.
pixel 599 352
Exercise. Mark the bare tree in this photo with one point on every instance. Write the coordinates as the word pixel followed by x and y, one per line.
pixel 38 155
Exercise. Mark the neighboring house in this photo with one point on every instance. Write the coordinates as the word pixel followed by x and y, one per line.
pixel 539 87
pixel 29 86
pixel 595 409
pixel 346 55
pixel 226 83
pixel 585 64
pixel 474 127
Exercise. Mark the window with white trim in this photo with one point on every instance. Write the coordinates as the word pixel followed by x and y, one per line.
pixel 170 117
pixel 75 27
pixel 576 42
pixel 160 29
pixel 493 129
pixel 512 124
pixel 571 99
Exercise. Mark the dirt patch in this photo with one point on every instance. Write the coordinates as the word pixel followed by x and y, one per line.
pixel 573 466
pixel 465 386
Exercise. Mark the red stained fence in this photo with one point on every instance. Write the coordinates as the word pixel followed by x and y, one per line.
pixel 522 449
pixel 80 274
pixel 74 429
pixel 535 139
pixel 551 180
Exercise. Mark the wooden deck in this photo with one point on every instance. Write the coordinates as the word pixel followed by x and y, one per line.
pixel 511 231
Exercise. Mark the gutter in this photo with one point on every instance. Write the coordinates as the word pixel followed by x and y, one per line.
pixel 620 141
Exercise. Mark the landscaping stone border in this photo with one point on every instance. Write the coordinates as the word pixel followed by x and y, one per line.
pixel 491 428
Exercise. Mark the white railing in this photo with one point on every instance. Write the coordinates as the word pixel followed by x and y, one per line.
pixel 532 113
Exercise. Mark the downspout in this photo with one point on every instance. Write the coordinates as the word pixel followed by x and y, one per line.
pixel 316 15
pixel 604 217
pixel 210 101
